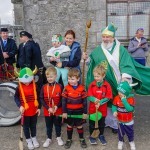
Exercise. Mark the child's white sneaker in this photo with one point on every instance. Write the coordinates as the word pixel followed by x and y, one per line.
pixel 132 145
pixel 47 142
pixel 35 142
pixel 120 145
pixel 29 144
pixel 60 141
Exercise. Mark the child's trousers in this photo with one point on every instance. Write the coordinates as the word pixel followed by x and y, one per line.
pixel 29 126
pixel 126 129
pixel 50 120
pixel 63 72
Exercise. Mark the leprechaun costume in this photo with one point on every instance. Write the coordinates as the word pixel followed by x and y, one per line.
pixel 26 99
pixel 120 65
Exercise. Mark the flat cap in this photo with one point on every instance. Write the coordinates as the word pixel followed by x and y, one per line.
pixel 25 33
pixel 4 30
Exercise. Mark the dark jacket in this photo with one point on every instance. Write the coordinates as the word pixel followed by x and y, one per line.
pixel 75 56
pixel 11 48
pixel 29 55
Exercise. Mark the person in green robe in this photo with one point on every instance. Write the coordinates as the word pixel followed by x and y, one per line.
pixel 120 67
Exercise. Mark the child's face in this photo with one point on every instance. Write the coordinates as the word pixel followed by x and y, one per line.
pixel 98 78
pixel 51 77
pixel 56 44
pixel 73 81
pixel 27 83
pixel 121 95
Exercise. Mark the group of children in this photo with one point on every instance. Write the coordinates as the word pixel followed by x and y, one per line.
pixel 69 105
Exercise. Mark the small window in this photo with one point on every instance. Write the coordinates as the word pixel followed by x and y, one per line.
pixel 129 15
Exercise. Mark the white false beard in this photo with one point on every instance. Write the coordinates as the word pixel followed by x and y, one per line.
pixel 107 46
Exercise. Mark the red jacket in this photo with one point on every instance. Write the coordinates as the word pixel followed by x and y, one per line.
pixel 56 97
pixel 123 114
pixel 104 91
pixel 29 95
pixel 74 99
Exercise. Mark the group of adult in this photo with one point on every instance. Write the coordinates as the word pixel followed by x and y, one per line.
pixel 29 53
pixel 120 65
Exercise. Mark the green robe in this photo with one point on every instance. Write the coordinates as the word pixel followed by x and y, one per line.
pixel 140 74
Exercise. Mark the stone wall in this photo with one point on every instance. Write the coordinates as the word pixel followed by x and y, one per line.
pixel 43 18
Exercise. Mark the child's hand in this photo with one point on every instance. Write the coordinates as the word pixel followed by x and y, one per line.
pixel 84 116
pixel 55 109
pixel 121 95
pixel 115 114
pixel 50 110
pixel 52 59
pixel 97 105
pixel 21 109
pixel 96 101
pixel 64 115
pixel 38 112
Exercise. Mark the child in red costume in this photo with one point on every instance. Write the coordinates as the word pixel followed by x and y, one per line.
pixel 99 93
pixel 26 99
pixel 123 108
pixel 74 102
pixel 50 98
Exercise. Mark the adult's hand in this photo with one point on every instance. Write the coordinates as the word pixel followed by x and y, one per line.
pixel 5 55
pixel 143 46
pixel 59 64
pixel 85 56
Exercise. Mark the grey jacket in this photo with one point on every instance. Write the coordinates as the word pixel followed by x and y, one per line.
pixel 137 52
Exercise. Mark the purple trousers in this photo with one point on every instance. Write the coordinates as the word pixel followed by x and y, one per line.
pixel 125 129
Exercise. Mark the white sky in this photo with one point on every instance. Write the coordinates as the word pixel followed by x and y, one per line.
pixel 6 12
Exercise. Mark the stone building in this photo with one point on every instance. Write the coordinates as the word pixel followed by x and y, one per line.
pixel 43 18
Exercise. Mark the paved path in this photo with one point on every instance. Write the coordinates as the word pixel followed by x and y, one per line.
pixel 9 136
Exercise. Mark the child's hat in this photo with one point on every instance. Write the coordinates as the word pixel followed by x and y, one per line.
pixel 26 74
pixel 57 38
pixel 125 88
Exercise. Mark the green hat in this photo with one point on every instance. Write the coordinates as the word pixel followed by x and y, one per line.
pixel 26 75
pixel 109 30
pixel 57 38
pixel 124 88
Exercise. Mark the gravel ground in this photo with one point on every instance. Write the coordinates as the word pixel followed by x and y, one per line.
pixel 9 136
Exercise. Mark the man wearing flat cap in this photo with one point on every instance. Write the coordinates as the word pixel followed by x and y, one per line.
pixel 8 50
pixel 29 53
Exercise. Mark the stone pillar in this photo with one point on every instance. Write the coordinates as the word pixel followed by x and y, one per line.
pixel 18 12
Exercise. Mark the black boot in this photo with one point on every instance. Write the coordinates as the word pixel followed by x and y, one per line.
pixel 68 143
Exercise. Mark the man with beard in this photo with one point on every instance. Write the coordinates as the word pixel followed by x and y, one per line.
pixel 120 67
